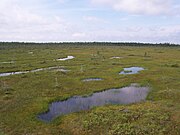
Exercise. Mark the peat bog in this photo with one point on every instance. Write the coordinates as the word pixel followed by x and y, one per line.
pixel 116 111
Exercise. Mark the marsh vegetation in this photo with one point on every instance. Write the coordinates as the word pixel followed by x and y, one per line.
pixel 24 96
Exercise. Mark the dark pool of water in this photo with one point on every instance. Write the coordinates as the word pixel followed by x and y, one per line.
pixel 92 79
pixel 126 95
pixel 131 70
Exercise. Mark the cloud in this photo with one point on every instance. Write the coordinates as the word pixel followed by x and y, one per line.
pixel 19 22
pixel 151 34
pixel 150 7
pixel 44 20
pixel 12 12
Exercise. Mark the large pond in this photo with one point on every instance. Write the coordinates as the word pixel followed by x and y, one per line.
pixel 36 70
pixel 131 70
pixel 126 95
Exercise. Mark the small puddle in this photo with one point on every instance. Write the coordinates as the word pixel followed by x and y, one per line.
pixel 9 62
pixel 126 95
pixel 92 79
pixel 31 71
pixel 131 70
pixel 62 70
pixel 30 52
pixel 68 58
pixel 116 57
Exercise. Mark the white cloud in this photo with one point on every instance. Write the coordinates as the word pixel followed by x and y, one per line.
pixel 34 20
pixel 135 34
pixel 13 13
pixel 19 22
pixel 151 7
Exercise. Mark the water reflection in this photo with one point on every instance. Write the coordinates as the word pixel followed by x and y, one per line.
pixel 68 58
pixel 126 95
pixel 131 70
pixel 32 71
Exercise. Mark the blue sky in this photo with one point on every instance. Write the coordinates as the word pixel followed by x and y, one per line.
pixel 90 20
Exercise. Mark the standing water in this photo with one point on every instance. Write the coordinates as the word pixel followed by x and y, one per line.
pixel 131 70
pixel 31 71
pixel 68 58
pixel 126 95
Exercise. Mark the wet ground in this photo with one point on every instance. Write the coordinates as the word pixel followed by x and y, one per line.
pixel 32 71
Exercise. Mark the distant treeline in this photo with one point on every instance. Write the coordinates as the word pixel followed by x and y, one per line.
pixel 25 44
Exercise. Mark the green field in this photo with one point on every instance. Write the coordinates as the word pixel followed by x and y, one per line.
pixel 24 96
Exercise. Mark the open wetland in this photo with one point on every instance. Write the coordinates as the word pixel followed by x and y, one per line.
pixel 71 89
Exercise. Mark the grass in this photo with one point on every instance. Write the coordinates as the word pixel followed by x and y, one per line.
pixel 24 96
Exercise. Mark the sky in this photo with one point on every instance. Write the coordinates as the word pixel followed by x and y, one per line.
pixel 151 21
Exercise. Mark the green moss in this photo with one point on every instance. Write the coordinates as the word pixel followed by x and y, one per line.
pixel 145 118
